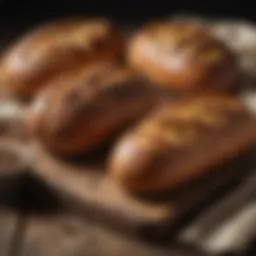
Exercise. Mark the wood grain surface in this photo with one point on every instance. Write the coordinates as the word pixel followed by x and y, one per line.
pixel 87 190
pixel 66 235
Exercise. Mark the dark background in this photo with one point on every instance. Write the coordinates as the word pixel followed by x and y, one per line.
pixel 121 10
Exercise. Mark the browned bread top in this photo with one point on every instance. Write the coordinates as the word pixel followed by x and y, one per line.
pixel 182 124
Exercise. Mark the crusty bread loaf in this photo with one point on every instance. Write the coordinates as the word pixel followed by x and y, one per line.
pixel 183 56
pixel 56 47
pixel 180 142
pixel 81 110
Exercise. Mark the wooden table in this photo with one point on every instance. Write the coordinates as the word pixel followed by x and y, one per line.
pixel 32 224
pixel 62 234
pixel 57 232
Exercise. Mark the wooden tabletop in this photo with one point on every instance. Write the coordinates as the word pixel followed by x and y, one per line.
pixel 62 234
pixel 33 225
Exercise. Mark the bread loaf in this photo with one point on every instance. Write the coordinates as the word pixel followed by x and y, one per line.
pixel 179 142
pixel 81 110
pixel 183 56
pixel 54 48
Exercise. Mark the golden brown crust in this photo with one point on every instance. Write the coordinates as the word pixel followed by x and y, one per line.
pixel 81 110
pixel 182 56
pixel 54 48
pixel 180 142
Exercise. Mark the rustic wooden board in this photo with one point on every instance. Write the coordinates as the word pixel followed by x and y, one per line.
pixel 87 190
pixel 66 235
